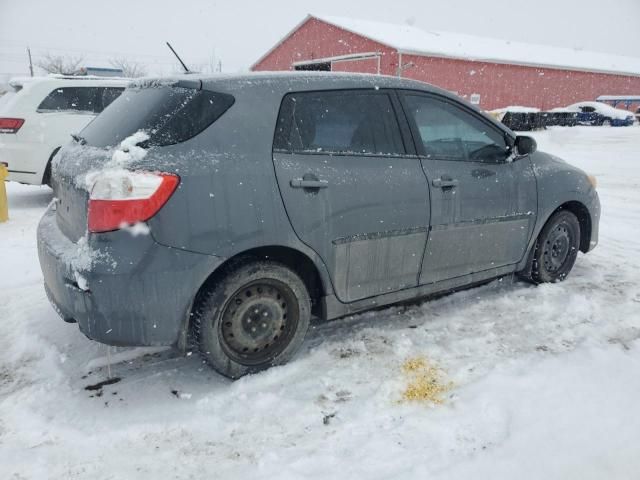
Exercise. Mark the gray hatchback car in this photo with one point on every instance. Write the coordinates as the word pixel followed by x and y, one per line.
pixel 225 211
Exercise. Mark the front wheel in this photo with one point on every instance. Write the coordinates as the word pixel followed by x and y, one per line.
pixel 606 122
pixel 253 318
pixel 556 249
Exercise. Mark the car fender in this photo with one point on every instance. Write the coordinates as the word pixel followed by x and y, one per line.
pixel 560 183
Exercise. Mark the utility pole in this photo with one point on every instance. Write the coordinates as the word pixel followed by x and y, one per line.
pixel 220 66
pixel 30 62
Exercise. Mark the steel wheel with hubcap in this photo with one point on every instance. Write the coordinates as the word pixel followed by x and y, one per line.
pixel 253 318
pixel 556 248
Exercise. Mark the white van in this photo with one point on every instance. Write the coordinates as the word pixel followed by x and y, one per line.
pixel 38 116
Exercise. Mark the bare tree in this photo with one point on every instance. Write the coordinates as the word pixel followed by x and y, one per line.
pixel 61 64
pixel 129 69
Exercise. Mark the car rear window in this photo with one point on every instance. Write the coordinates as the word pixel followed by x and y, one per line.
pixel 346 122
pixel 168 114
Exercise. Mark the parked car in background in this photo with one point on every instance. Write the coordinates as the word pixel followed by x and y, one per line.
pixel 562 117
pixel 520 118
pixel 597 113
pixel 638 114
pixel 223 212
pixel 38 115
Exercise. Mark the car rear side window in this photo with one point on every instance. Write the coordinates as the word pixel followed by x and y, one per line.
pixel 343 122
pixel 70 99
pixel 168 114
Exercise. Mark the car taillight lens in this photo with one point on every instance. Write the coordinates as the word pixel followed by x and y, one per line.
pixel 121 198
pixel 10 125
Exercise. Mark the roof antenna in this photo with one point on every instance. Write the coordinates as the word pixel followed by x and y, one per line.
pixel 186 70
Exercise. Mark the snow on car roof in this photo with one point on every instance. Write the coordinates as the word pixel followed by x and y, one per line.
pixel 410 39
pixel 516 109
pixel 602 108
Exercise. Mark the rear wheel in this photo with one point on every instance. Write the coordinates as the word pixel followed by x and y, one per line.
pixel 254 318
pixel 46 177
pixel 556 249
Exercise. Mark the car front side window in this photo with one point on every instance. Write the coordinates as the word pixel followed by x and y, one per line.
pixel 448 132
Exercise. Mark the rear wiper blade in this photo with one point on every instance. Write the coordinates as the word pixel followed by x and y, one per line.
pixel 78 138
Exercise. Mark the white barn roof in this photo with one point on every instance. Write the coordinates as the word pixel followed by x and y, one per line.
pixel 413 40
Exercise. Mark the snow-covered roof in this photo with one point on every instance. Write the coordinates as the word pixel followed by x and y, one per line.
pixel 629 98
pixel 411 39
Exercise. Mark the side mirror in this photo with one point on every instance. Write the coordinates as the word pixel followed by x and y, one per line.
pixel 525 145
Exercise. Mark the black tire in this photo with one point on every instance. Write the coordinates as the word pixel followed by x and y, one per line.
pixel 46 177
pixel 606 122
pixel 253 318
pixel 556 248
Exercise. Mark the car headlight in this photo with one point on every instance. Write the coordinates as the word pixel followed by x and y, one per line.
pixel 593 181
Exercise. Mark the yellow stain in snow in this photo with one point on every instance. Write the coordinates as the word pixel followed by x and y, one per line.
pixel 426 381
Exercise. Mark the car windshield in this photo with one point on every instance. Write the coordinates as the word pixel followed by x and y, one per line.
pixel 169 115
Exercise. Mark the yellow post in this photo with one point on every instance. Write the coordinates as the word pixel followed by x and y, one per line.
pixel 4 207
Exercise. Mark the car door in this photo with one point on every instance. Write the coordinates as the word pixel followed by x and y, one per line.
pixel 351 190
pixel 483 205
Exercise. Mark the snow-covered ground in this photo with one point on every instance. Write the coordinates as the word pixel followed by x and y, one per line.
pixel 546 379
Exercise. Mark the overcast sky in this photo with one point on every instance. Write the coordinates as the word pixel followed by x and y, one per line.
pixel 238 32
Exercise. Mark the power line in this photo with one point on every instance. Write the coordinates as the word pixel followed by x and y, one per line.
pixel 106 53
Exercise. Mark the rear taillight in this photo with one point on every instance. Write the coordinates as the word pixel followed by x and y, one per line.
pixel 121 198
pixel 10 125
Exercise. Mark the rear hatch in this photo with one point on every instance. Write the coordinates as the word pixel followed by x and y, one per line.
pixel 168 112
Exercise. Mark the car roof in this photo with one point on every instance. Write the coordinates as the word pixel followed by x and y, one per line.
pixel 283 82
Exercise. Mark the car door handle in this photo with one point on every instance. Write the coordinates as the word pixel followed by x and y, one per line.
pixel 304 183
pixel 444 182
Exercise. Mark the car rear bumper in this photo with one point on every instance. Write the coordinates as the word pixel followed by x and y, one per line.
pixel 121 289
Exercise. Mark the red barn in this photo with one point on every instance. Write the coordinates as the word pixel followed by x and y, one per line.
pixel 489 72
